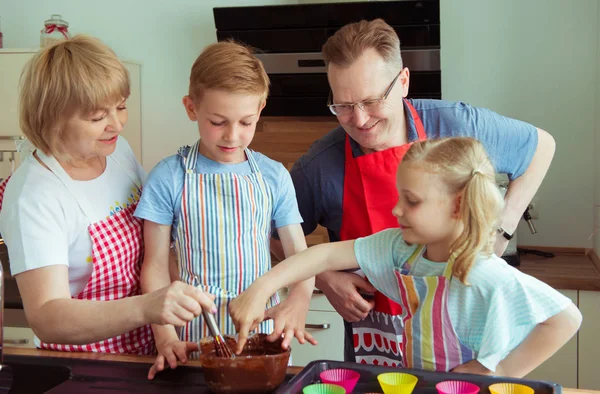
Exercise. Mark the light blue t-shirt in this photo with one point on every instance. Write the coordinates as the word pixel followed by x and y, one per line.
pixel 492 315
pixel 161 197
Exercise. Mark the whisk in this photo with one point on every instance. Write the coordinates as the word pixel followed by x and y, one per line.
pixel 221 348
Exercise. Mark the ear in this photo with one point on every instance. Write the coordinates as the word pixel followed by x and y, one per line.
pixel 404 81
pixel 190 108
pixel 262 106
pixel 457 204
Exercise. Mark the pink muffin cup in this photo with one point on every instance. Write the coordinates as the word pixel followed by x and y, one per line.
pixel 346 378
pixel 456 387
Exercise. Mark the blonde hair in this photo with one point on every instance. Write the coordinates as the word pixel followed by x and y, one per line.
pixel 463 165
pixel 76 76
pixel 228 66
pixel 350 42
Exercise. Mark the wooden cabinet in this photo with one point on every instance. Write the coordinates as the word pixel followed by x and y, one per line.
pixel 589 340
pixel 562 367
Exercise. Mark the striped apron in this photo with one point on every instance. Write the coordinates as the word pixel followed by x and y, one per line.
pixel 223 237
pixel 429 340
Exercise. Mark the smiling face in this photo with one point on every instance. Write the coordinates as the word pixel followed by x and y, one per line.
pixel 226 123
pixel 86 136
pixel 368 78
pixel 426 210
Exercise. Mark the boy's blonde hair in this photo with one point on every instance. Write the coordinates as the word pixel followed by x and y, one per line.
pixel 352 40
pixel 463 165
pixel 76 76
pixel 228 66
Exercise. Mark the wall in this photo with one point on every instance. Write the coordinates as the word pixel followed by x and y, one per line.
pixel 165 37
pixel 534 60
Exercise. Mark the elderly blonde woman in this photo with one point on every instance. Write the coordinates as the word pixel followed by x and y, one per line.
pixel 66 214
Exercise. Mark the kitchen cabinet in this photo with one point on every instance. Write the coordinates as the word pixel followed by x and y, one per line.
pixel 326 326
pixel 12 62
pixel 562 366
pixel 589 340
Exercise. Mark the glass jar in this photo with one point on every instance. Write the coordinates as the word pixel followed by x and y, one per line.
pixel 55 29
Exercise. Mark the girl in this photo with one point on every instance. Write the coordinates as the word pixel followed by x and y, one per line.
pixel 464 309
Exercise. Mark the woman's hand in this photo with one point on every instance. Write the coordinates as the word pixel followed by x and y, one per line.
pixel 171 351
pixel 177 304
pixel 474 367
pixel 247 311
pixel 290 318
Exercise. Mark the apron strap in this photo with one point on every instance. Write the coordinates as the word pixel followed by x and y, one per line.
pixel 68 182
pixel 418 124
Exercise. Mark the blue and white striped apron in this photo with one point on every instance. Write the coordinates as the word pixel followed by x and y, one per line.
pixel 223 237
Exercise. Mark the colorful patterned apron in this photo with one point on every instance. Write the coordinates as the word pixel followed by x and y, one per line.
pixel 117 251
pixel 429 340
pixel 223 237
pixel 369 197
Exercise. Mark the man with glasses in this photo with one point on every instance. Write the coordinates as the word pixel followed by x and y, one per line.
pixel 346 181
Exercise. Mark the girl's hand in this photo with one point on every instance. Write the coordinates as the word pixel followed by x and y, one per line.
pixel 289 318
pixel 247 311
pixel 171 352
pixel 474 367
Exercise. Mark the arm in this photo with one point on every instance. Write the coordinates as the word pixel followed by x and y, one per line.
pixel 57 318
pixel 545 340
pixel 521 190
pixel 247 310
pixel 290 315
pixel 157 273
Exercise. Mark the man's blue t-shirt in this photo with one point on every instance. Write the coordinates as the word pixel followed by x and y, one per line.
pixel 318 175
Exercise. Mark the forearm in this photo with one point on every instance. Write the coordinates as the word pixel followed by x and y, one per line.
pixel 305 265
pixel 77 322
pixel 545 339
pixel 292 242
pixel 521 190
pixel 155 275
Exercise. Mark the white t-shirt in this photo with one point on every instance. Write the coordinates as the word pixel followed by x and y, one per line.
pixel 42 222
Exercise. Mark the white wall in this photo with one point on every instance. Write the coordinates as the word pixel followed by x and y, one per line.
pixel 164 36
pixel 535 60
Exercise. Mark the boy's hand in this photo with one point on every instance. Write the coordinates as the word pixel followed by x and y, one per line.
pixel 171 351
pixel 247 311
pixel 289 318
pixel 177 304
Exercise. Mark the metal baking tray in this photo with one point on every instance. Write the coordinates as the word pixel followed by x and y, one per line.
pixel 426 385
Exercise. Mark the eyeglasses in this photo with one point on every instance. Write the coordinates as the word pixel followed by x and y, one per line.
pixel 368 106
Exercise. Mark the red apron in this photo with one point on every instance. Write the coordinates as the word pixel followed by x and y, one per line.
pixel 369 196
pixel 117 256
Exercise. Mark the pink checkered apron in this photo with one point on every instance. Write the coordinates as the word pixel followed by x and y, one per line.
pixel 117 249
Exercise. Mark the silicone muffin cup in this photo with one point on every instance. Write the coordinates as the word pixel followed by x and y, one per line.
pixel 346 378
pixel 397 382
pixel 510 388
pixel 456 387
pixel 323 388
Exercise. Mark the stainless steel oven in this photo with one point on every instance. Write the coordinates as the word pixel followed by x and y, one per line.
pixel 289 40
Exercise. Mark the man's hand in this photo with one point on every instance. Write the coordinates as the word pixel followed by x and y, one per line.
pixel 342 291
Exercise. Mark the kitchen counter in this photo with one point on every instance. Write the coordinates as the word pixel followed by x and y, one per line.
pixel 565 271
pixel 83 363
